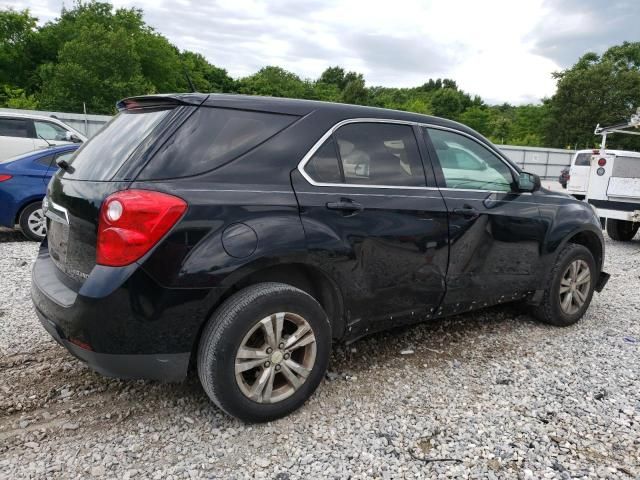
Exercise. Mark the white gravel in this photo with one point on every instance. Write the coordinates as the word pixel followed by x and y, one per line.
pixel 488 395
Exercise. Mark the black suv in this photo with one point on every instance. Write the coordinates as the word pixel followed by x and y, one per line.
pixel 243 234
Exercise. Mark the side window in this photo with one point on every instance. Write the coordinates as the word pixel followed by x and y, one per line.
pixel 468 165
pixel 14 127
pixel 45 161
pixel 50 131
pixel 583 160
pixel 380 154
pixel 324 166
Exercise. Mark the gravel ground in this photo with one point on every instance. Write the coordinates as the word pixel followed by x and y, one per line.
pixel 488 395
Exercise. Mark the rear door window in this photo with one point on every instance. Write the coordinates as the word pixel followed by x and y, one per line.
pixel 14 127
pixel 375 154
pixel 210 138
pixel 102 156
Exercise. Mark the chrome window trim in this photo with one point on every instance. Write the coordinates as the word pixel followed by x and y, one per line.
pixel 307 158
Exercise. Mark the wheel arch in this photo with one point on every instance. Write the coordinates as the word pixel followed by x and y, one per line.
pixel 589 238
pixel 24 204
pixel 306 277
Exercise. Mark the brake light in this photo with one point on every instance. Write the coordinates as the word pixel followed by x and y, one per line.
pixel 133 221
pixel 602 162
pixel 4 178
pixel 596 152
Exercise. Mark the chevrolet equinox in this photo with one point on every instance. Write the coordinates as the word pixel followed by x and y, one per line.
pixel 242 235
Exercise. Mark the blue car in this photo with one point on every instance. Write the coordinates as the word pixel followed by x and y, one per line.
pixel 23 184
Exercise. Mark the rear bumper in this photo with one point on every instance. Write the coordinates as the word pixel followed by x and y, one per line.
pixel 164 367
pixel 121 323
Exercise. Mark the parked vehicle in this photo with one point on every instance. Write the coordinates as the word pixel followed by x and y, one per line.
pixel 22 133
pixel 580 171
pixel 564 177
pixel 225 231
pixel 614 183
pixel 23 185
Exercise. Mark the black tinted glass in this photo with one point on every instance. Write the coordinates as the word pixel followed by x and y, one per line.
pixel 323 166
pixel 14 127
pixel 45 161
pixel 102 156
pixel 210 138
pixel 583 159
pixel 380 154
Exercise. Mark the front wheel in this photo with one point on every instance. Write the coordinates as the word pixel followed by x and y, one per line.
pixel 622 230
pixel 570 287
pixel 33 222
pixel 264 352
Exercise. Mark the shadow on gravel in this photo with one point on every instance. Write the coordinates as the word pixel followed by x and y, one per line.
pixel 7 235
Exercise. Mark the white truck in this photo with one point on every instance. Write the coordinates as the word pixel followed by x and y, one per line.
pixel 614 183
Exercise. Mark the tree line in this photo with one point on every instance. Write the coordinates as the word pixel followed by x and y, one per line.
pixel 93 54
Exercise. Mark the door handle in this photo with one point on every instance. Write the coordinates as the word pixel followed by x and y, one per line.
pixel 345 205
pixel 467 211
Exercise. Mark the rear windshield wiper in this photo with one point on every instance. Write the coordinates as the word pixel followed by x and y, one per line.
pixel 65 166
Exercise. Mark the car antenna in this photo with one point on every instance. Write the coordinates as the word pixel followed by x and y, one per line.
pixel 186 74
pixel 49 144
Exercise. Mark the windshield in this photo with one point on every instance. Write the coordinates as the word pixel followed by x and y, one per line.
pixel 102 156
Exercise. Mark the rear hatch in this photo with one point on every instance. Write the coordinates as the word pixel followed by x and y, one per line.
pixel 107 163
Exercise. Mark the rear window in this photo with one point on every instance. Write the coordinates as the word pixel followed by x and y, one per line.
pixel 14 127
pixel 102 156
pixel 210 138
pixel 583 160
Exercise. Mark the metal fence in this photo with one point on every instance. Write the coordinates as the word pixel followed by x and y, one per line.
pixel 545 162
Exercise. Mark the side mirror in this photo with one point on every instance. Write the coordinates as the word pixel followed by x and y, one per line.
pixel 72 137
pixel 528 182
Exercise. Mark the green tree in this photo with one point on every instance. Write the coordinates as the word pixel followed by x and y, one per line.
pixel 597 89
pixel 16 31
pixel 98 67
pixel 275 82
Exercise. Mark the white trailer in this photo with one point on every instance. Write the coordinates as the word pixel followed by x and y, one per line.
pixel 614 183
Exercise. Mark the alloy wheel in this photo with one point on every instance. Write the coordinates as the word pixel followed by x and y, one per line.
pixel 36 223
pixel 574 286
pixel 275 357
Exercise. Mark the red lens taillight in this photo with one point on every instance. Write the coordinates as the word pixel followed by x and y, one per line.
pixel 602 162
pixel 133 221
pixel 4 178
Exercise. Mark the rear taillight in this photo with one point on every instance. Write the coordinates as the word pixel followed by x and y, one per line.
pixel 133 221
pixel 4 178
pixel 602 162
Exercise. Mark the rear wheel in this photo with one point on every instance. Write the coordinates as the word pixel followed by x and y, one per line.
pixel 33 222
pixel 622 230
pixel 570 287
pixel 264 352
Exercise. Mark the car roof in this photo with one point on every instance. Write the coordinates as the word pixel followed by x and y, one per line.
pixel 613 152
pixel 29 115
pixel 291 106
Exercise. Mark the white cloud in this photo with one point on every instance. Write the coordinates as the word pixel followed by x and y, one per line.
pixel 502 50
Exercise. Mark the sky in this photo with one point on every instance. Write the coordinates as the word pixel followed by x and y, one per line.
pixel 502 50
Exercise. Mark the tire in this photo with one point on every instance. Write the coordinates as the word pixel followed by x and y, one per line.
pixel 32 222
pixel 550 310
pixel 621 230
pixel 231 327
